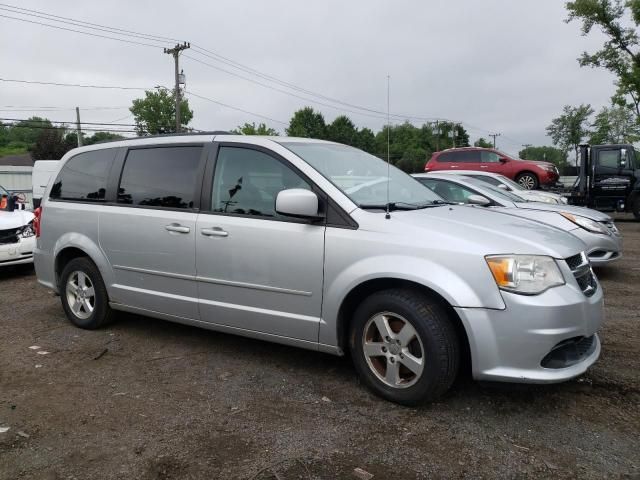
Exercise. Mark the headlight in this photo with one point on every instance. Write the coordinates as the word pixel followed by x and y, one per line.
pixel 548 168
pixel 586 223
pixel 27 231
pixel 525 274
pixel 545 199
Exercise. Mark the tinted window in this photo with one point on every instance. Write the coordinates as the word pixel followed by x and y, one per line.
pixel 489 157
pixel 160 177
pixel 609 158
pixel 247 182
pixel 84 177
pixel 487 179
pixel 464 156
pixel 451 192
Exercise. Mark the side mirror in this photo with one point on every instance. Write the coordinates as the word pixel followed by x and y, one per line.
pixel 297 202
pixel 623 158
pixel 503 160
pixel 478 200
pixel 503 186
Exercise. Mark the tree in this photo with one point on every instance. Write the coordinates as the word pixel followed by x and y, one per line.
pixel 615 125
pixel 546 154
pixel 569 129
pixel 621 52
pixel 306 122
pixel 100 137
pixel 26 132
pixel 156 113
pixel 365 140
pixel 51 144
pixel 481 142
pixel 252 129
pixel 342 130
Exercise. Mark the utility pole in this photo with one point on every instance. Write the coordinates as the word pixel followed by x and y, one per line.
pixel 494 135
pixel 78 130
pixel 437 136
pixel 527 145
pixel 453 134
pixel 175 51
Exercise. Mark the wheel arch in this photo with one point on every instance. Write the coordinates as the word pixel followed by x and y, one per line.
pixel 368 287
pixel 75 246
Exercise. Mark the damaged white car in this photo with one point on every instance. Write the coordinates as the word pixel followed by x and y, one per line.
pixel 17 234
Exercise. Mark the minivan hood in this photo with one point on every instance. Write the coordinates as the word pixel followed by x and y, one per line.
pixel 574 210
pixel 480 229
pixel 15 219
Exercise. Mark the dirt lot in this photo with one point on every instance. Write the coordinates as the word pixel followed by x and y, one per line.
pixel 153 400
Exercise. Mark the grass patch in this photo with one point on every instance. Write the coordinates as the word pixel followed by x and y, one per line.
pixel 12 150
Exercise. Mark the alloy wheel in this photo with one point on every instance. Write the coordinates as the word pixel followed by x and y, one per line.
pixel 81 296
pixel 527 181
pixel 393 350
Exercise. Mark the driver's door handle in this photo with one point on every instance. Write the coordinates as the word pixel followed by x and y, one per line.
pixel 214 232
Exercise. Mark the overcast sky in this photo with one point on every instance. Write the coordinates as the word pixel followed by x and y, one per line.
pixel 496 65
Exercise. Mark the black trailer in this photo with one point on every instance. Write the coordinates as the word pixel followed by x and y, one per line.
pixel 608 179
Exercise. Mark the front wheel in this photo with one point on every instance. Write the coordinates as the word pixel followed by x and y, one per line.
pixel 83 294
pixel 528 180
pixel 404 346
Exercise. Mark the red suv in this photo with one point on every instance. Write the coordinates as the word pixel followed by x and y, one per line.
pixel 528 173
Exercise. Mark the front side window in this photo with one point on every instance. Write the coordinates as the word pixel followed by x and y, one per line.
pixel 487 179
pixel 163 177
pixel 451 192
pixel 489 157
pixel 84 177
pixel 247 181
pixel 366 180
pixel 609 158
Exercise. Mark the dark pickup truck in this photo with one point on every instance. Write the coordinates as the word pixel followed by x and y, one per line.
pixel 608 179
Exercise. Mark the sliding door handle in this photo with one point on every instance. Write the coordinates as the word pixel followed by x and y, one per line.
pixel 214 232
pixel 177 228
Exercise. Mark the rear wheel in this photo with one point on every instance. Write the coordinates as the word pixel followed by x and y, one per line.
pixel 83 294
pixel 528 180
pixel 404 347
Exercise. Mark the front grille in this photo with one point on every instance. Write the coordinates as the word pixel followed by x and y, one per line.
pixel 9 236
pixel 581 269
pixel 569 352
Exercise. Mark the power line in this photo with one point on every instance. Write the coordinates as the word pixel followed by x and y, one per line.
pixel 56 127
pixel 235 108
pixel 60 121
pixel 60 84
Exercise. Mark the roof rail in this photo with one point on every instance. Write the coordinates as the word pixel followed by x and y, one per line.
pixel 162 135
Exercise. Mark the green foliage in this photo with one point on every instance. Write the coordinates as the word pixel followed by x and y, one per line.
pixel 99 137
pixel 620 54
pixel 52 144
pixel 569 129
pixel 306 122
pixel 156 113
pixel 25 132
pixel 365 140
pixel 252 129
pixel 547 154
pixel 615 125
pixel 481 142
pixel 342 130
pixel 12 149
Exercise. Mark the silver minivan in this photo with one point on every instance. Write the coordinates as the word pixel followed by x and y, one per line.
pixel 317 245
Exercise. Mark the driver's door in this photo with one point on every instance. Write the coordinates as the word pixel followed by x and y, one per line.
pixel 257 270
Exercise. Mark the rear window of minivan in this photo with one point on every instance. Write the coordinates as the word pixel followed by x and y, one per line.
pixel 84 177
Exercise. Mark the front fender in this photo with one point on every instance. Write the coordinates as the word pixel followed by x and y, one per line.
pixel 451 286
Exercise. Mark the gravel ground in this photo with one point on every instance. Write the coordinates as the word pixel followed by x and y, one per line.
pixel 153 400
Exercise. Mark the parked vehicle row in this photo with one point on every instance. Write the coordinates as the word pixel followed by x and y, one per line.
pixel 596 229
pixel 317 245
pixel 529 174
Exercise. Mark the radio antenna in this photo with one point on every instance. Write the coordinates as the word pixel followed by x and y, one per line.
pixel 388 214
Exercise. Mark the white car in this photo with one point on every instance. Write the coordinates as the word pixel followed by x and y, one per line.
pixel 17 235
pixel 509 185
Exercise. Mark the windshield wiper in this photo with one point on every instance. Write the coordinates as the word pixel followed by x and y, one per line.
pixel 393 206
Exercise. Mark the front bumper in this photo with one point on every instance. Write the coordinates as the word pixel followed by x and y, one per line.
pixel 601 249
pixel 17 253
pixel 511 345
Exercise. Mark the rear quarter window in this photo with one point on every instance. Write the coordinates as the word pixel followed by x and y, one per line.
pixel 460 157
pixel 84 177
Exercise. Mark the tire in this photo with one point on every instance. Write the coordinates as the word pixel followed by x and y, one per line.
pixel 528 180
pixel 81 274
pixel 433 337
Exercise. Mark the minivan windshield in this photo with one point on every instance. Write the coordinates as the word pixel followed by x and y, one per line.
pixel 363 177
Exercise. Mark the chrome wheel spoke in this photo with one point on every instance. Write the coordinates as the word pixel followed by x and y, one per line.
pixel 382 323
pixel 80 295
pixel 412 363
pixel 406 334
pixel 82 280
pixel 77 306
pixel 374 349
pixel 87 306
pixel 89 292
pixel 392 375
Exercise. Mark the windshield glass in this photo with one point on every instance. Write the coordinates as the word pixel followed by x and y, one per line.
pixel 363 177
pixel 497 192
pixel 513 185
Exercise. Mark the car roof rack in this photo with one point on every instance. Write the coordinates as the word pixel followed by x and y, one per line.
pixel 163 135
